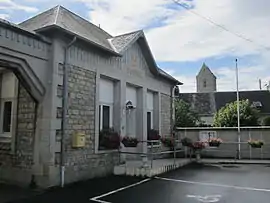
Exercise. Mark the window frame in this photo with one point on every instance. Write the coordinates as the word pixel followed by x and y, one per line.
pixel 101 105
pixel 3 116
pixel 9 137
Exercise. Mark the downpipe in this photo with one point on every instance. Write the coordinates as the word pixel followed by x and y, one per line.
pixel 65 110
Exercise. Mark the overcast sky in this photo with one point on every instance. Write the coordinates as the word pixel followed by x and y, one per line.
pixel 180 40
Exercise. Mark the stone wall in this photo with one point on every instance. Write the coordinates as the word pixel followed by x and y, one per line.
pixel 83 163
pixel 22 155
pixel 165 115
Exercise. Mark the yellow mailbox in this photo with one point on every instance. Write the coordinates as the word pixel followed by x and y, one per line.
pixel 78 140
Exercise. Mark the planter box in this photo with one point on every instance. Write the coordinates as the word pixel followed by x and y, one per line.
pixel 129 144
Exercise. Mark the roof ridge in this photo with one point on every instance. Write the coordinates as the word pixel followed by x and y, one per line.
pixel 57 14
pixel 85 20
pixel 39 14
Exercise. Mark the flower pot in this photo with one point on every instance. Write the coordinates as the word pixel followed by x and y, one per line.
pixel 256 146
pixel 214 144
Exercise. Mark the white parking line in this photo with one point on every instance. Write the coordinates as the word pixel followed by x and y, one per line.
pixel 96 199
pixel 214 184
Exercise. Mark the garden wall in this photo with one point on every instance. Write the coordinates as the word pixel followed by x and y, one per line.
pixel 229 147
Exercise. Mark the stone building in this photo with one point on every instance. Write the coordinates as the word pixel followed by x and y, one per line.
pixel 59 71
pixel 207 100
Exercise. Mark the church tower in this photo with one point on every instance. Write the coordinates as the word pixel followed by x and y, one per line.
pixel 206 80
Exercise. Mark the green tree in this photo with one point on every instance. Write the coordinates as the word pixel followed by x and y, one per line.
pixel 227 115
pixel 184 115
pixel 266 121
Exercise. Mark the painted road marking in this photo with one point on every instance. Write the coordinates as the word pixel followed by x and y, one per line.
pixel 214 184
pixel 206 199
pixel 96 199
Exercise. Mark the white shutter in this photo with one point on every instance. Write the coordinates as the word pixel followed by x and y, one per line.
pixel 131 95
pixel 8 85
pixel 150 101
pixel 106 91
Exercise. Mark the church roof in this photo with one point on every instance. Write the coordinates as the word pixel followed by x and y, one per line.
pixel 204 69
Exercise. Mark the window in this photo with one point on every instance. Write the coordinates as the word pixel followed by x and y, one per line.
pixel 204 83
pixel 149 121
pixel 105 117
pixel 106 103
pixel 7 116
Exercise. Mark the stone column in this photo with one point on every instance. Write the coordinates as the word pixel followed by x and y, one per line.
pixel 142 117
pixel 156 115
pixel 97 113
pixel 122 106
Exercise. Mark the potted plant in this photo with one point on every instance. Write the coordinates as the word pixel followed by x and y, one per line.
pixel 214 142
pixel 198 146
pixel 256 143
pixel 130 141
pixel 109 139
pixel 187 142
pixel 168 142
pixel 153 135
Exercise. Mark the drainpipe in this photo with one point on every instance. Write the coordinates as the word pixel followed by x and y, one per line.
pixel 65 110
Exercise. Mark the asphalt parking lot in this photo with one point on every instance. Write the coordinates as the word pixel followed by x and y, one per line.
pixel 194 183
pixel 199 183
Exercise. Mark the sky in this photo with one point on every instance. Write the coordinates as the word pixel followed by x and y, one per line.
pixel 180 40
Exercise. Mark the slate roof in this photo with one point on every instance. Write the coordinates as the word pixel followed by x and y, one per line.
pixel 60 17
pixel 13 26
pixel 65 19
pixel 209 103
pixel 253 96
pixel 164 74
pixel 206 68
pixel 120 42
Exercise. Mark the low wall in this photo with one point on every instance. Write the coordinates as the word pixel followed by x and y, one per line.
pixel 229 147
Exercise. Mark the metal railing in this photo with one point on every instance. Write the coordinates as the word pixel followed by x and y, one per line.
pixel 150 155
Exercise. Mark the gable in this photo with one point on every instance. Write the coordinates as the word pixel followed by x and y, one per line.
pixel 135 62
pixel 205 72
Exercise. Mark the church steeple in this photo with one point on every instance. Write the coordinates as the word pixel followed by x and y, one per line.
pixel 206 80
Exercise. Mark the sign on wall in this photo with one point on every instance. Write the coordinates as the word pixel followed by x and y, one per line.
pixel 206 135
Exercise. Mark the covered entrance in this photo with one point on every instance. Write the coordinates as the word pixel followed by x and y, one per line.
pixel 23 64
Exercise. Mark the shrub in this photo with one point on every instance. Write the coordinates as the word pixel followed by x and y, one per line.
pixel 266 121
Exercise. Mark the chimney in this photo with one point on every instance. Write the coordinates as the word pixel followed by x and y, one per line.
pixel 260 84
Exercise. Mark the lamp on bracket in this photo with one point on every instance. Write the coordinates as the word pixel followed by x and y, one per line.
pixel 130 106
